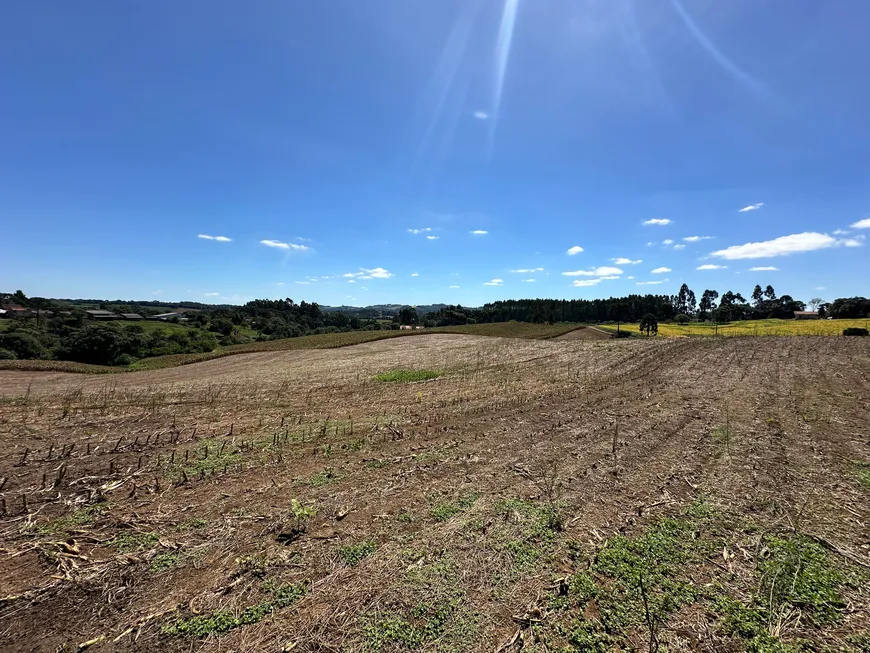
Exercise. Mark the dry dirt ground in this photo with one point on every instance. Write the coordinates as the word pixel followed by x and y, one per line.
pixel 661 494
pixel 585 333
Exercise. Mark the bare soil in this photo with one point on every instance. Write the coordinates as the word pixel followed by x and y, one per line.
pixel 131 502
pixel 584 333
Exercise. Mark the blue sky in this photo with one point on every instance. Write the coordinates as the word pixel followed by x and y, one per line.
pixel 456 151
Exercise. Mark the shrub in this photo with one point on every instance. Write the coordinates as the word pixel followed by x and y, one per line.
pixel 622 333
pixel 855 331
pixel 7 355
pixel 682 318
pixel 25 345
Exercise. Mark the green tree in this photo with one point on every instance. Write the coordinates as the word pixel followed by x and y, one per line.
pixel 769 293
pixel 649 324
pixel 707 304
pixel 815 302
pixel 408 315
pixel 26 345
pixel 19 297
pixel 757 295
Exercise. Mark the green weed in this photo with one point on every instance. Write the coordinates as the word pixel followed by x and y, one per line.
pixel 862 473
pixel 320 479
pixel 131 542
pixel 80 517
pixel 407 376
pixel 222 621
pixel 447 509
pixel 353 554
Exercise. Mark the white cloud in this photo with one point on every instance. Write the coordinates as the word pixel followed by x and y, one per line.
pixel 432 237
pixel 858 241
pixel 650 283
pixel 679 246
pixel 158 292
pixel 667 241
pixel 351 280
pixel 861 224
pixel 220 239
pixel 751 207
pixel 820 287
pixel 527 280
pixel 478 232
pixel 650 243
pixel 481 115
pixel 602 271
pixel 494 282
pixel 420 231
pixel 782 246
pixel 585 283
pixel 763 268
pixel 695 239
pixel 629 277
pixel 574 250
pixel 841 232
pixel 453 286
pixel 609 277
pixel 302 283
pixel 527 270
pixel 286 246
pixel 711 266
pixel 367 273
pixel 661 270
pixel 657 221
pixel 211 294
pixel 415 274
pixel 626 261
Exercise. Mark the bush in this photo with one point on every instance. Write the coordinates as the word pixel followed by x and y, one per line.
pixel 7 355
pixel 25 345
pixel 682 318
pixel 622 333
pixel 855 331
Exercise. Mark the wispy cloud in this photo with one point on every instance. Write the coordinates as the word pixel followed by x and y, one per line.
pixel 156 292
pixel 661 270
pixel 453 287
pixel 695 239
pixel 650 243
pixel 481 115
pixel 783 246
pixel 432 237
pixel 751 207
pixel 211 294
pixel 527 280
pixel 478 232
pixel 574 250
pixel 651 283
pixel 285 246
pixel 626 261
pixel 764 268
pixel 527 270
pixel 369 273
pixel 494 282
pixel 415 274
pixel 861 224
pixel 711 266
pixel 667 241
pixel 679 246
pixel 302 283
pixel 420 231
pixel 585 283
pixel 220 239
pixel 602 271
pixel 857 241
pixel 657 221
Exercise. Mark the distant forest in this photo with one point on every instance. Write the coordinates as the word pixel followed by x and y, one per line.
pixel 60 329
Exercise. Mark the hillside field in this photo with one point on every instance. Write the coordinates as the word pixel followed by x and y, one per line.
pixel 444 492
pixel 770 327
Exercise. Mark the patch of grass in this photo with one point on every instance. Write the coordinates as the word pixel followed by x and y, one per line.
pixel 525 531
pixel 301 511
pixel 319 479
pixel 80 517
pixel 405 516
pixel 862 473
pixel 131 541
pixel 222 621
pixel 438 619
pixel 796 573
pixel 447 509
pixel 167 560
pixel 192 524
pixel 353 554
pixel 407 376
pixel 379 463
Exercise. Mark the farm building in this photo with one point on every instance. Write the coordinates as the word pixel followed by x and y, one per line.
pixel 806 315
pixel 100 314
pixel 165 317
pixel 14 310
pixel 135 317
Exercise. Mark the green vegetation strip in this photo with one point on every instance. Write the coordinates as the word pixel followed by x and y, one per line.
pixel 222 621
pixel 407 376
